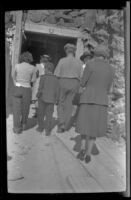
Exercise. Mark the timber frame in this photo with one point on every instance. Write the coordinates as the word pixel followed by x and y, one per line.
pixel 45 29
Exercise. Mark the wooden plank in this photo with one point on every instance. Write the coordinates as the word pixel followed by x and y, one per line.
pixel 50 29
pixel 107 180
pixel 17 40
pixel 109 163
pixel 80 48
pixel 113 152
pixel 84 184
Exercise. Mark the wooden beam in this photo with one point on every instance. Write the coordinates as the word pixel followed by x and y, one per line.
pixel 80 48
pixel 17 40
pixel 52 30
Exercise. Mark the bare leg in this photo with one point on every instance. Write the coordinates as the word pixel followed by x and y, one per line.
pixel 81 154
pixel 90 143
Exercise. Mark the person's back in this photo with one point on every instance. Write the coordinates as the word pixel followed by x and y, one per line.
pixel 102 74
pixel 24 72
pixel 49 88
pixel 70 67
pixel 99 82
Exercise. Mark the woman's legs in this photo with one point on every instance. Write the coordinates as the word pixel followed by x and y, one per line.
pixel 25 105
pixel 81 154
pixel 89 145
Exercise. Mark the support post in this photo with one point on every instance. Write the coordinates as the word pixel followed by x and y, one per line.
pixel 80 48
pixel 17 40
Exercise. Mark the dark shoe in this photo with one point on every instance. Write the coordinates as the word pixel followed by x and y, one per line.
pixel 40 130
pixel 87 159
pixel 81 155
pixel 17 131
pixel 47 133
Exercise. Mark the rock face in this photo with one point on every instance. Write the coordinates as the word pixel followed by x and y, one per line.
pixel 70 18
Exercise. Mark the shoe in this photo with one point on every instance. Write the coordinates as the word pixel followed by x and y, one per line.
pixel 81 154
pixel 47 133
pixel 87 159
pixel 40 130
pixel 17 131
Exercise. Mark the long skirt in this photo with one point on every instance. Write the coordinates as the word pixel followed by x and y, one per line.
pixel 92 120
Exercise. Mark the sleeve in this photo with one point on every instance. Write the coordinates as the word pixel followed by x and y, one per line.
pixel 58 68
pixel 86 75
pixel 111 80
pixel 81 70
pixel 14 73
pixel 57 91
pixel 41 85
pixel 33 79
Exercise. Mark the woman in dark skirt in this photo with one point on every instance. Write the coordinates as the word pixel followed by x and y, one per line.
pixel 92 116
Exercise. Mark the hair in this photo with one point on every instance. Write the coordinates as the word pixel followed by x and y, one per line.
pixel 26 57
pixel 50 67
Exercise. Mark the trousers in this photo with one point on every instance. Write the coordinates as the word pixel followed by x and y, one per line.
pixel 68 88
pixel 45 110
pixel 21 106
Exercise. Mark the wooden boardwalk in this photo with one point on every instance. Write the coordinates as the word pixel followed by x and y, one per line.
pixel 49 164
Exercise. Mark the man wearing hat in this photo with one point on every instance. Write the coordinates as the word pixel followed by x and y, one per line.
pixel 92 116
pixel 68 71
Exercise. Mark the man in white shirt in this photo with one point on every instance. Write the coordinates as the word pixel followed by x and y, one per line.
pixel 68 71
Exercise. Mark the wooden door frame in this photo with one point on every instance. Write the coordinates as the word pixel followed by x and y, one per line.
pixel 45 29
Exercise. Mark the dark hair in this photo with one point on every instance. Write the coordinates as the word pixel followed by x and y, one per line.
pixel 26 57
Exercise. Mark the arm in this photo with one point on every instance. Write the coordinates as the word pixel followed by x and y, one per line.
pixel 14 74
pixel 57 92
pixel 110 86
pixel 58 68
pixel 33 79
pixel 86 75
pixel 41 85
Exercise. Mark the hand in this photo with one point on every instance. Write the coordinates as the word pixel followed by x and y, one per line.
pixel 81 90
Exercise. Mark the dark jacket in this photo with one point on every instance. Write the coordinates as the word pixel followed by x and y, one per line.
pixel 97 78
pixel 48 89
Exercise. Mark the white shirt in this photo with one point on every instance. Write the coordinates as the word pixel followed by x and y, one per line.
pixel 25 73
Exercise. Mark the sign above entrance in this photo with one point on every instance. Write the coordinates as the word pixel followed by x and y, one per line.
pixel 48 29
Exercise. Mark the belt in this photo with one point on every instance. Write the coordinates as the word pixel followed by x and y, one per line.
pixel 69 78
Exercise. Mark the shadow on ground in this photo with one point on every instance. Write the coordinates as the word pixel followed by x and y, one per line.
pixel 32 122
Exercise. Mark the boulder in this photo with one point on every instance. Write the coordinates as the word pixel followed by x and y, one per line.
pixel 51 19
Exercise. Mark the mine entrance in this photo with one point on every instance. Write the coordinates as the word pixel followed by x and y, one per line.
pixel 39 44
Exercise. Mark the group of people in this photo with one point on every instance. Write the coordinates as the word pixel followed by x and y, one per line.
pixel 87 79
